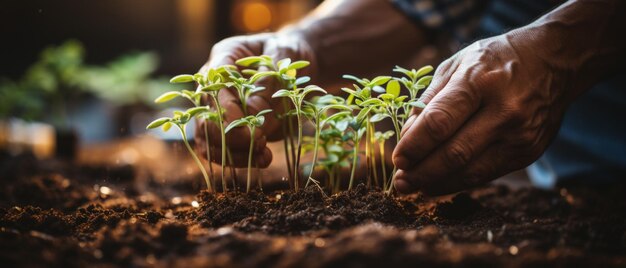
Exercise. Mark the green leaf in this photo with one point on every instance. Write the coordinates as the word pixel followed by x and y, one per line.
pixel 354 78
pixel 378 117
pixel 386 97
pixel 299 65
pixel 402 70
pixel 259 121
pixel 283 64
pixel 281 93
pixel 313 88
pixel 334 116
pixel 213 87
pixel 417 104
pixel 237 123
pixel 425 81
pixel 249 72
pixel 349 91
pixel 248 61
pixel 302 80
pixel 158 122
pixel 183 78
pixel 196 110
pixel 260 75
pixel 393 88
pixel 424 71
pixel 166 126
pixel 363 113
pixel 372 102
pixel 167 96
pixel 378 89
pixel 266 111
pixel 380 80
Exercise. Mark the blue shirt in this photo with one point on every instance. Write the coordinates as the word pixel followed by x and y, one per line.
pixel 591 143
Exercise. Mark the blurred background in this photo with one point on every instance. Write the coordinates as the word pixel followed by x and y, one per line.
pixel 94 67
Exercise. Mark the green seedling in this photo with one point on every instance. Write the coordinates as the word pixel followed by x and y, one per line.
pixel 316 111
pixel 414 81
pixel 252 122
pixel 208 116
pixel 297 96
pixel 362 91
pixel 381 138
pixel 285 71
pixel 180 120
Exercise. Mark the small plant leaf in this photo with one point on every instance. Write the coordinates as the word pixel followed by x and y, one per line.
pixel 158 122
pixel 302 80
pixel 266 111
pixel 372 102
pixel 260 75
pixel 248 61
pixel 354 78
pixel 313 88
pixel 183 78
pixel 425 81
pixel 380 80
pixel 281 93
pixel 166 127
pixel 424 71
pixel 298 65
pixel 393 88
pixel 196 110
pixel 378 89
pixel 378 117
pixel 213 87
pixel 284 63
pixel 417 104
pixel 167 96
pixel 237 123
pixel 249 72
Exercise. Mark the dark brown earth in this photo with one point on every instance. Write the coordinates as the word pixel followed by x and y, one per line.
pixel 55 214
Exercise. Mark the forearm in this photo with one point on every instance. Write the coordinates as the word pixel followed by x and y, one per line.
pixel 360 37
pixel 581 39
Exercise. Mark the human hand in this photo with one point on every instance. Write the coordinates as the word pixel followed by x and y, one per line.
pixel 491 109
pixel 277 45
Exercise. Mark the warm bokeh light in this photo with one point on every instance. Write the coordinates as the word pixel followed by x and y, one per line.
pixel 254 16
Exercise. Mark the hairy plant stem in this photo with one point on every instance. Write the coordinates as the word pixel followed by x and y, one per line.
pixel 371 141
pixel 223 138
pixel 381 148
pixel 208 153
pixel 315 148
pixel 195 157
pixel 354 160
pixel 367 151
pixel 298 153
pixel 252 129
pixel 286 144
pixel 394 119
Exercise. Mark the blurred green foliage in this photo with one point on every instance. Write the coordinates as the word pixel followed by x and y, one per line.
pixel 60 76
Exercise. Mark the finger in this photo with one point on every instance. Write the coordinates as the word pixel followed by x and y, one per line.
pixel 453 155
pixel 440 79
pixel 443 116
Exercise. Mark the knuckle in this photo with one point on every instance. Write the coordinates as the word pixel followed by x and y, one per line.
pixel 438 123
pixel 457 155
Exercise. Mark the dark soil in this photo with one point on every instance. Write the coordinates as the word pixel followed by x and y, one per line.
pixel 54 214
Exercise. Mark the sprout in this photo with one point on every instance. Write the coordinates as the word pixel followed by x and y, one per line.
pixel 252 121
pixel 180 120
pixel 297 95
pixel 316 111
